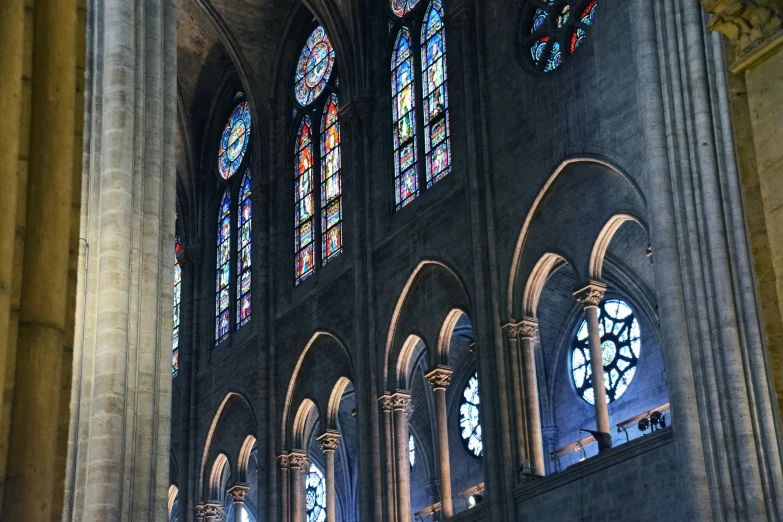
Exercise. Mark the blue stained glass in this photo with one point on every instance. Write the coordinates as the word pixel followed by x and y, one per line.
pixel 304 203
pixel 469 421
pixel 315 495
pixel 537 50
pixel 331 174
pixel 403 115
pixel 555 58
pixel 223 279
pixel 566 33
pixel 244 251
pixel 437 142
pixel 563 17
pixel 314 68
pixel 539 19
pixel 234 140
pixel 620 347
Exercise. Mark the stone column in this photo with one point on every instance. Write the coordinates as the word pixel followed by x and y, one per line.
pixel 517 380
pixel 590 297
pixel 238 494
pixel 298 461
pixel 328 443
pixel 401 402
pixel 285 482
pixel 439 379
pixel 527 335
pixel 390 459
pixel 213 512
pixel 119 447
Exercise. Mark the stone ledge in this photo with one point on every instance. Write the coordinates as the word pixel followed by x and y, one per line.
pixel 469 515
pixel 578 471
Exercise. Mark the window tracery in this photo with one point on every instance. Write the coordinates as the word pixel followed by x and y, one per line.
pixel 557 29
pixel 244 251
pixel 223 263
pixel 470 424
pixel 317 150
pixel 433 75
pixel 234 141
pixel 620 349
pixel 176 302
pixel 315 495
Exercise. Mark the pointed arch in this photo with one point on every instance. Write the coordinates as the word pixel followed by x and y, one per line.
pixel 331 182
pixel 437 134
pixel 244 457
pixel 244 251
pixel 406 177
pixel 222 319
pixel 304 233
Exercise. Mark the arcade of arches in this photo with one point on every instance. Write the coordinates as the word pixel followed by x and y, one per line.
pixel 353 260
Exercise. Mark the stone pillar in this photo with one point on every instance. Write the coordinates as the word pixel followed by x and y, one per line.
pixel 439 379
pixel 401 402
pixel 590 297
pixel 214 512
pixel 389 456
pixel 527 335
pixel 121 401
pixel 517 380
pixel 298 462
pixel 328 443
pixel 285 482
pixel 238 494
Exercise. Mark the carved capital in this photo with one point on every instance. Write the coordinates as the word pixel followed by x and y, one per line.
pixel 199 510
pixel 285 460
pixel 528 328
pixel 401 401
pixel 591 294
pixel 297 460
pixel 754 27
pixel 213 511
pixel 440 377
pixel 386 403
pixel 329 440
pixel 357 110
pixel 239 491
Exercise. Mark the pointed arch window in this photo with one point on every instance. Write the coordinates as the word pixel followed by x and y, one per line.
pixel 429 77
pixel 317 151
pixel 223 264
pixel 234 260
pixel 244 252
pixel 176 302
pixel 557 29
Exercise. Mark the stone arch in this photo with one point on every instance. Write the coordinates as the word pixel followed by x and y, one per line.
pixel 236 407
pixel 216 476
pixel 323 364
pixel 409 355
pixel 605 238
pixel 244 457
pixel 173 494
pixel 303 423
pixel 432 293
pixel 334 402
pixel 546 266
pixel 604 190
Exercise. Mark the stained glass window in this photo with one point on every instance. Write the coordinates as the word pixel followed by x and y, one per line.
pixel 411 450
pixel 234 141
pixel 244 253
pixel 437 145
pixel 314 68
pixel 303 197
pixel 331 181
pixel 470 426
pixel 223 270
pixel 620 348
pixel 315 495
pixel 406 180
pixel 402 7
pixel 556 31
pixel 176 302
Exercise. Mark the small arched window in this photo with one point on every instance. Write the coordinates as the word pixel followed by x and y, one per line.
pixel 176 302
pixel 317 151
pixel 620 349
pixel 223 270
pixel 431 71
pixel 315 495
pixel 557 29
pixel 469 422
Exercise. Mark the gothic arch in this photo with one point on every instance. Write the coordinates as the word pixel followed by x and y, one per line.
pixel 244 457
pixel 604 238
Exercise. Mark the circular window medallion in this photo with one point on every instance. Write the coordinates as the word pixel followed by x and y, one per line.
pixel 314 68
pixel 234 141
pixel 315 495
pixel 470 425
pixel 620 348
pixel 557 29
